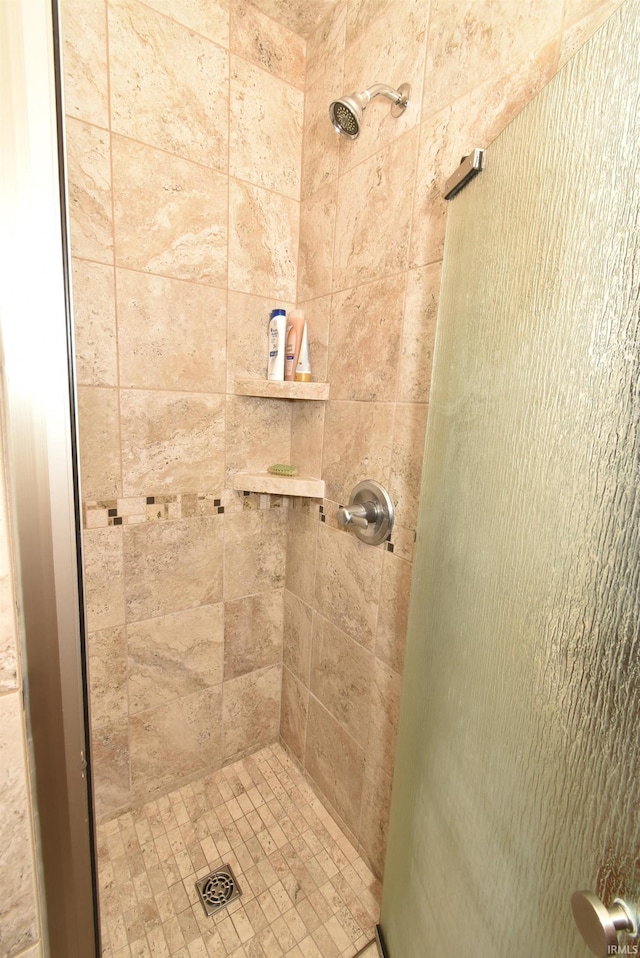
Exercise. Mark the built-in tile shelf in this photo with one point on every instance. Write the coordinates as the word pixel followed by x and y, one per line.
pixel 268 389
pixel 279 485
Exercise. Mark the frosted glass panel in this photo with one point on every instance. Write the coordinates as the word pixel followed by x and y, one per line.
pixel 517 772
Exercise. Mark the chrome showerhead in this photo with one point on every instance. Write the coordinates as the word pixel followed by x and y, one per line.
pixel 346 113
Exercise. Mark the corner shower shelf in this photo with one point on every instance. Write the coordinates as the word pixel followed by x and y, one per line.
pixel 279 485
pixel 268 389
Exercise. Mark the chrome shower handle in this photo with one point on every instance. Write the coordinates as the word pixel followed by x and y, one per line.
pixel 369 512
pixel 357 514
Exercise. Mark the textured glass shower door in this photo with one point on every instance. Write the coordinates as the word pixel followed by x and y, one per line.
pixel 518 765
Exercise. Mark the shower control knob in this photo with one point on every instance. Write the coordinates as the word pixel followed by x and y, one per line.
pixel 357 516
pixel 599 925
pixel 369 513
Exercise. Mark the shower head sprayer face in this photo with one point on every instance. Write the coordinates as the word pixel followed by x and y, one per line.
pixel 347 112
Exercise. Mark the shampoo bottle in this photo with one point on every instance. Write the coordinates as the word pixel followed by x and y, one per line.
pixel 303 369
pixel 295 327
pixel 277 342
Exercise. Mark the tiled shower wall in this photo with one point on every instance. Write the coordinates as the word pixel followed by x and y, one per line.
pixel 184 135
pixel 184 138
pixel 371 242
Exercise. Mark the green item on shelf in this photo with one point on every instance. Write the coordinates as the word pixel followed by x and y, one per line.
pixel 282 469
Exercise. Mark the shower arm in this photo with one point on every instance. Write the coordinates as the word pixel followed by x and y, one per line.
pixel 382 89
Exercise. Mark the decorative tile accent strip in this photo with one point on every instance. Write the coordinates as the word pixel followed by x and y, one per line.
pixel 102 513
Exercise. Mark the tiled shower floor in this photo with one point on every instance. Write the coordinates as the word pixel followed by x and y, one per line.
pixel 306 891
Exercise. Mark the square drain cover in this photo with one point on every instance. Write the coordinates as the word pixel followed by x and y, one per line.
pixel 218 889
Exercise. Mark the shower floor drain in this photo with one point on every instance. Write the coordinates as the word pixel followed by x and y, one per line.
pixel 218 889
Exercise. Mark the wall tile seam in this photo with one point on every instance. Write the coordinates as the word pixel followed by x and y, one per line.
pixel 506 70
pixel 411 268
pixel 375 659
pixel 180 391
pixel 343 728
pixel 258 66
pixel 184 26
pixel 214 687
pixel 229 48
pixel 222 171
pixel 319 794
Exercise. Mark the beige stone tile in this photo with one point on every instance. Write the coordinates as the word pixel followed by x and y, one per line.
pixel 94 319
pixel 179 101
pixel 406 462
pixel 361 14
pixel 171 334
pixel 385 707
pixel 247 332
pixel 35 952
pixel 325 47
pixel 172 566
pixel 110 767
pixel 391 632
pixel 174 740
pixel 18 910
pixel 175 655
pixel 293 717
pixel 335 762
pixel 396 39
pixel 348 583
pixel 469 42
pixel 108 675
pixel 207 17
pixel 103 578
pixel 263 242
pixel 262 40
pixel 321 143
pixel 89 191
pixel 301 18
pixel 252 633
pixel 419 333
pixel 317 226
pixel 84 60
pixel 99 425
pixel 437 160
pixel 372 234
pixel 171 442
pixel 248 570
pixel 575 10
pixel 341 677
pixel 170 214
pixel 251 710
pixel 307 429
pixel 357 446
pixel 581 20
pixel 8 623
pixel 376 802
pixel 366 330
pixel 297 636
pixel 302 538
pixel 258 434
pixel 265 124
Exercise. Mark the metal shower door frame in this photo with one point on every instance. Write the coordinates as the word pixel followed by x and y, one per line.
pixel 39 427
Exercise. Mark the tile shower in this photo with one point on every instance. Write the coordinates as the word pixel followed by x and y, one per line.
pixel 206 187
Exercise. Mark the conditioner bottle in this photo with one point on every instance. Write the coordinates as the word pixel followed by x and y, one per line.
pixel 295 327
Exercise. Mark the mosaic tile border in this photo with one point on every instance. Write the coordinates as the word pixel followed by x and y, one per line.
pixel 102 513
